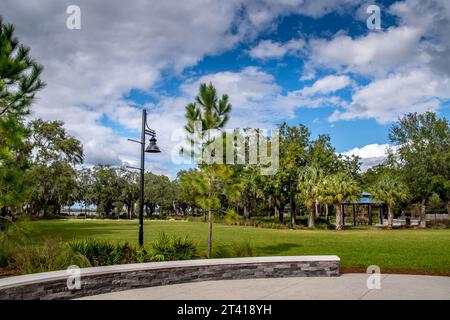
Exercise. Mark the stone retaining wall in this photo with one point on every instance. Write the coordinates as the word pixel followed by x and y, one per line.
pixel 98 280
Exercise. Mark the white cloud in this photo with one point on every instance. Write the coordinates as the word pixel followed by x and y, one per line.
pixel 374 54
pixel 386 99
pixel 249 85
pixel 251 92
pixel 368 151
pixel 268 49
pixel 433 18
pixel 257 99
pixel 371 154
pixel 328 84
pixel 308 74
pixel 259 10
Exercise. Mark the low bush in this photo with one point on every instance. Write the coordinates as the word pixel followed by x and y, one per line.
pixel 173 248
pixel 439 223
pixel 271 225
pixel 323 224
pixel 102 252
pixel 232 218
pixel 201 218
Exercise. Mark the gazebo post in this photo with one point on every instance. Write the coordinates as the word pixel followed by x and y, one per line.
pixel 354 215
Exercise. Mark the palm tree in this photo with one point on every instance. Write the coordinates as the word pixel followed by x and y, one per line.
pixel 392 190
pixel 213 114
pixel 309 187
pixel 338 187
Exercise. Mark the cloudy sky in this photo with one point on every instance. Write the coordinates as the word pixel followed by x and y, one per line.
pixel 299 61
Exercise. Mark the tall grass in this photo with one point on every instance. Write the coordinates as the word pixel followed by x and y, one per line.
pixel 53 255
pixel 235 250
pixel 18 253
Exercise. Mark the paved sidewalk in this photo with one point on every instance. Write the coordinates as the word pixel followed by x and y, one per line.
pixel 351 286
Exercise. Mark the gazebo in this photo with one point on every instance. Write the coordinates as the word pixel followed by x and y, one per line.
pixel 365 201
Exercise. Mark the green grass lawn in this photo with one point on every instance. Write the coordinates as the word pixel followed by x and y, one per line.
pixel 408 251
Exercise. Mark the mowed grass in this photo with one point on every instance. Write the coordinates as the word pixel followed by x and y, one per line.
pixel 405 251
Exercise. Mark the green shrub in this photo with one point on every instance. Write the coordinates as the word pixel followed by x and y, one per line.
pixel 173 248
pixel 232 218
pixel 102 252
pixel 272 225
pixel 235 250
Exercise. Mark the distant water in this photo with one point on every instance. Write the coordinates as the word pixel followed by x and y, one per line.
pixel 77 212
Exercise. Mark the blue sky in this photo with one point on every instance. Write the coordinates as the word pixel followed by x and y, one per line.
pixel 299 61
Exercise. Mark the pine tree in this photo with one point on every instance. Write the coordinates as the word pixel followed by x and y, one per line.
pixel 19 83
pixel 213 113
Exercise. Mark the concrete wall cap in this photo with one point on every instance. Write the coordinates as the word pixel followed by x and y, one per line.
pixel 125 268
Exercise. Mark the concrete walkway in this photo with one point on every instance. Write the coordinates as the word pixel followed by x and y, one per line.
pixel 351 286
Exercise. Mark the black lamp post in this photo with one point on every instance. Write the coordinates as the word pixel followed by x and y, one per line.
pixel 151 148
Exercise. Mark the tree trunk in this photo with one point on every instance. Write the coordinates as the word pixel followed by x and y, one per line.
pixel 339 217
pixel 448 207
pixel 311 216
pixel 390 218
pixel 422 222
pixel 326 212
pixel 292 203
pixel 354 214
pixel 293 213
pixel 209 233
pixel 281 214
pixel 132 208
pixel 316 208
pixel 246 212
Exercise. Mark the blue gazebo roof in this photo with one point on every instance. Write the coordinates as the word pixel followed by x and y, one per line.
pixel 364 199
